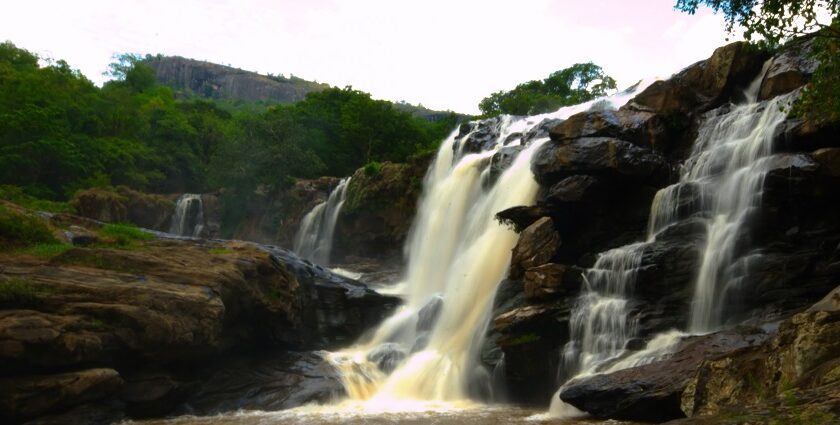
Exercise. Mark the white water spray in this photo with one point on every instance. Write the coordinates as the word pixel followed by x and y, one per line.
pixel 314 238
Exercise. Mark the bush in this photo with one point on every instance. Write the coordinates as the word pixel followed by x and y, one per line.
pixel 20 230
pixel 373 169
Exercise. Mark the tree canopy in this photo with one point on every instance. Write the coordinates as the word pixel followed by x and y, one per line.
pixel 575 84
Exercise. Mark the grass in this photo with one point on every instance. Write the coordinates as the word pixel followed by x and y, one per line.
pixel 18 196
pixel 46 250
pixel 21 290
pixel 23 230
pixel 125 235
pixel 220 251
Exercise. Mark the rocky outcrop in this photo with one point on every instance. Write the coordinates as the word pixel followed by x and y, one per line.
pixel 800 365
pixel 189 77
pixel 536 246
pixel 789 70
pixel 141 311
pixel 124 205
pixel 651 393
pixel 379 210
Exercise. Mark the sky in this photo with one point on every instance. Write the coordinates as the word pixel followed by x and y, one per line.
pixel 444 54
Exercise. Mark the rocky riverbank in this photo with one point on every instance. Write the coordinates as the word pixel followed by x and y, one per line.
pixel 95 327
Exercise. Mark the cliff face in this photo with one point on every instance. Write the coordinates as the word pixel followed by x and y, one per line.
pixel 599 175
pixel 190 77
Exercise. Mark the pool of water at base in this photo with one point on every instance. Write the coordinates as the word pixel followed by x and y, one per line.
pixel 484 415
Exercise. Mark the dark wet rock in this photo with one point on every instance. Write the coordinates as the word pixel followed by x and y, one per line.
pixel 428 315
pixel 387 356
pixel 790 69
pixel 540 131
pixel 652 392
pixel 501 160
pixel 806 134
pixel 597 156
pixel 32 396
pixel 483 135
pixel 108 411
pixel 642 128
pixel 269 384
pixel 577 188
pixel 704 85
pixel 551 280
pixel 536 246
pixel 828 160
pixel 152 394
pixel 519 218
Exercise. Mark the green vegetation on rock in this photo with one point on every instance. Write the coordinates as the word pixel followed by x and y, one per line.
pixel 22 230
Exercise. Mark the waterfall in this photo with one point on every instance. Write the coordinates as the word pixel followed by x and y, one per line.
pixel 314 237
pixel 722 177
pixel 457 254
pixel 188 219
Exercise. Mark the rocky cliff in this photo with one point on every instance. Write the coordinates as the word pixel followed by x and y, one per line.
pixel 599 174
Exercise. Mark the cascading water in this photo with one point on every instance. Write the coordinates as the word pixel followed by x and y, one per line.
pixel 188 219
pixel 314 238
pixel 457 255
pixel 724 174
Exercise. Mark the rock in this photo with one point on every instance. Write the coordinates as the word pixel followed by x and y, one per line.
pixel 428 315
pixel 704 85
pixel 378 211
pixel 552 281
pixel 519 218
pixel 100 412
pixel 651 393
pixel 387 357
pixel 790 69
pixel 801 358
pixel 124 205
pixel 266 383
pixel 597 156
pixel 536 246
pixel 806 134
pixel 152 394
pixel 829 161
pixel 32 396
pixel 642 128
pixel 501 161
pixel 478 136
pixel 578 188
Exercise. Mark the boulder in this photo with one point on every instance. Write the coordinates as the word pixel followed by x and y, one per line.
pixel 789 70
pixel 577 188
pixel 32 396
pixel 801 358
pixel 704 85
pixel 651 393
pixel 536 246
pixel 479 136
pixel 597 156
pixel 552 281
pixel 829 161
pixel 519 218
pixel 642 128
pixel 124 205
pixel 501 160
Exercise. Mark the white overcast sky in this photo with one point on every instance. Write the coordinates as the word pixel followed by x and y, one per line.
pixel 445 54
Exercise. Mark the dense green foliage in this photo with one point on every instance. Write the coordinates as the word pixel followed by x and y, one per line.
pixel 22 230
pixel 60 133
pixel 774 21
pixel 575 84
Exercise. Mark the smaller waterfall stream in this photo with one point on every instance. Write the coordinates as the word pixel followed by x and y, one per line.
pixel 188 219
pixel 314 238
pixel 723 177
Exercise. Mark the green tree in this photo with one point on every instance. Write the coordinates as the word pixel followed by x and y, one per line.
pixel 578 83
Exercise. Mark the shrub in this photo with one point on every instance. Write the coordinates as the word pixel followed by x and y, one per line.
pixel 373 169
pixel 124 235
pixel 18 229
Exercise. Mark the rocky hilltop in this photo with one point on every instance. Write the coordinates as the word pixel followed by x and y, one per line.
pixel 190 77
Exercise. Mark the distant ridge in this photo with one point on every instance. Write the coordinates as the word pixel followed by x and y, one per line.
pixel 191 78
